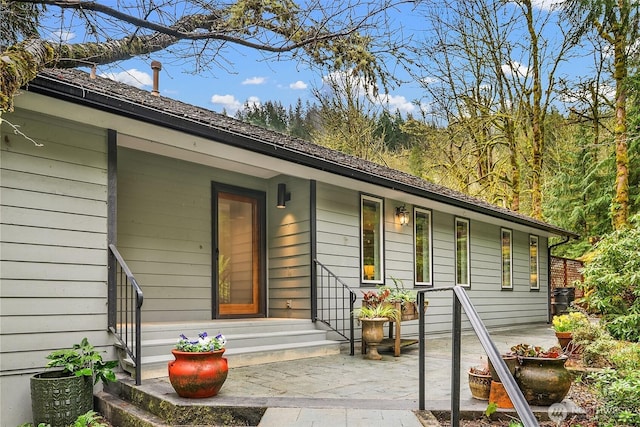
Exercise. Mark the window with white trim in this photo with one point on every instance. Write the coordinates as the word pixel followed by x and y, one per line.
pixel 463 274
pixel 372 242
pixel 422 246
pixel 507 258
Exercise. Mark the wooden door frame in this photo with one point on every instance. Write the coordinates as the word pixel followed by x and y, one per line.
pixel 260 197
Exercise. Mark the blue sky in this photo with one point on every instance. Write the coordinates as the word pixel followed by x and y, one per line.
pixel 245 76
pixel 252 79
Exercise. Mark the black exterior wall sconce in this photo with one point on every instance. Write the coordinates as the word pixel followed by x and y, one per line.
pixel 283 196
pixel 403 215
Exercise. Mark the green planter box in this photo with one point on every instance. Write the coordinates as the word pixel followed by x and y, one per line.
pixel 59 400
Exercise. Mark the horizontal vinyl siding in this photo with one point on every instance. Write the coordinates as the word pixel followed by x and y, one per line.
pixel 53 240
pixel 338 231
pixel 164 231
pixel 339 249
pixel 289 250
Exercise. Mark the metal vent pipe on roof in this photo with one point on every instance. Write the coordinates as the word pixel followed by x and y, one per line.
pixel 156 66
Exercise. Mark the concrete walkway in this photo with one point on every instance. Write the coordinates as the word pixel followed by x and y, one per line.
pixel 344 390
pixel 350 391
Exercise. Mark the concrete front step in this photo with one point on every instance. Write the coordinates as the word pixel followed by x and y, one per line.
pixel 159 347
pixel 124 404
pixel 162 330
pixel 249 342
pixel 122 413
pixel 156 366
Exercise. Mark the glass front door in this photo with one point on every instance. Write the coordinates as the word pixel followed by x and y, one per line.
pixel 238 252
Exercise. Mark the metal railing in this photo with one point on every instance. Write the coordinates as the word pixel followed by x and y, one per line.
pixel 331 309
pixel 461 301
pixel 126 327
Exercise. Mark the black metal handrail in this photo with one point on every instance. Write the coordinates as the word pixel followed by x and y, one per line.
pixel 461 300
pixel 129 298
pixel 331 307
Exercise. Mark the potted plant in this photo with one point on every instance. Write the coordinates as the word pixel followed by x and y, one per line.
pixel 565 324
pixel 480 382
pixel 510 360
pixel 199 369
pixel 59 397
pixel 407 299
pixel 541 374
pixel 373 318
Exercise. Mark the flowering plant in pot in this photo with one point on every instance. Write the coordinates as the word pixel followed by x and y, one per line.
pixel 397 294
pixel 565 324
pixel 203 343
pixel 199 369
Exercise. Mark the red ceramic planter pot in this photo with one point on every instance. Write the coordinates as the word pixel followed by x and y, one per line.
pixel 198 375
pixel 564 338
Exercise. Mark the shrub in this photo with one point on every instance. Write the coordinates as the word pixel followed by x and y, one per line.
pixel 626 327
pixel 596 353
pixel 621 397
pixel 612 281
pixel 626 357
pixel 587 333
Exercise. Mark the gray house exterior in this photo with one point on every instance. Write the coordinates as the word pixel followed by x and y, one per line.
pixel 189 197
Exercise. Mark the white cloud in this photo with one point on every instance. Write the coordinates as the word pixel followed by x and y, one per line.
pixel 515 68
pixel 61 36
pixel 253 101
pixel 255 81
pixel 397 102
pixel 344 81
pixel 547 4
pixel 428 80
pixel 299 85
pixel 131 77
pixel 228 102
pixel 231 104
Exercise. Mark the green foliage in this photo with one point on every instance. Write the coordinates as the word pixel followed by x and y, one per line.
pixel 399 293
pixel 621 397
pixel 89 419
pixel 596 353
pixel 626 357
pixel 492 408
pixel 83 360
pixel 377 311
pixel 625 327
pixel 612 281
pixel 19 21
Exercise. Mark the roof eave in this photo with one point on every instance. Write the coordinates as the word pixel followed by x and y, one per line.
pixel 68 92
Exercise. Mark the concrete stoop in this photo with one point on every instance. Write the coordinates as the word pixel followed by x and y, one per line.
pixel 123 404
pixel 249 342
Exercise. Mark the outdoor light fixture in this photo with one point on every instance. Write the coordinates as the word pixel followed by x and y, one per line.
pixel 403 215
pixel 283 196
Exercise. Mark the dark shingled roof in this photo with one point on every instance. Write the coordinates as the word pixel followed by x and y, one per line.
pixel 108 95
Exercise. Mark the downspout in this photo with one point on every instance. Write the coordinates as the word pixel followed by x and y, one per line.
pixel 112 225
pixel 313 242
pixel 549 249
